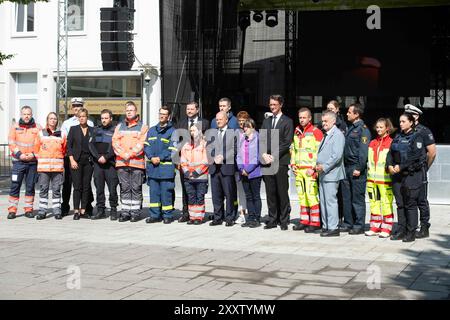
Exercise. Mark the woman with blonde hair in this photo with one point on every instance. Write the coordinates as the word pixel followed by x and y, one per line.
pixel 51 146
pixel 379 181
pixel 194 166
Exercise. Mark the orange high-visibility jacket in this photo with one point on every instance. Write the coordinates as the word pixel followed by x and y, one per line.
pixel 128 144
pixel 51 150
pixel 22 139
pixel 194 160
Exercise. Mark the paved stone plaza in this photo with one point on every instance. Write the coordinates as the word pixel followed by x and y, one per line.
pixel 103 259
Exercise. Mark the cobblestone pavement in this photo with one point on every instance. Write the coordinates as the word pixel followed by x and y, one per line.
pixel 51 259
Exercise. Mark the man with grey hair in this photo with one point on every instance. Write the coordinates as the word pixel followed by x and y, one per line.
pixel 223 183
pixel 330 167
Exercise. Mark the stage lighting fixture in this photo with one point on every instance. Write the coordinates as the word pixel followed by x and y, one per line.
pixel 258 16
pixel 244 19
pixel 271 18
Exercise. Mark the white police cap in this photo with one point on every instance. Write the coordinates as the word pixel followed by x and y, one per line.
pixel 77 101
pixel 409 108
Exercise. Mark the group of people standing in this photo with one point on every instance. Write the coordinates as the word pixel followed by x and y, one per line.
pixel 334 165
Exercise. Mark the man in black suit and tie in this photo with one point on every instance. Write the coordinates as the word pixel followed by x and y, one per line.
pixel 192 118
pixel 277 184
pixel 222 170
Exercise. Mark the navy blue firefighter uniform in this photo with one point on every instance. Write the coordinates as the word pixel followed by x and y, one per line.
pixel 161 177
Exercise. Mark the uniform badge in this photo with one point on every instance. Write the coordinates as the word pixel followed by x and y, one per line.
pixel 364 140
pixel 419 145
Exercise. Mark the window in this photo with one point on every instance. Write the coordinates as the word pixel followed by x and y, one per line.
pixel 25 17
pixel 27 91
pixel 105 87
pixel 75 15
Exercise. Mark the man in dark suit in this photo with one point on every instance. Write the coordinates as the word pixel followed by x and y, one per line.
pixel 192 118
pixel 222 170
pixel 277 184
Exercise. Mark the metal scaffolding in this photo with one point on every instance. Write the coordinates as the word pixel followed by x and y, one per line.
pixel 61 77
pixel 290 56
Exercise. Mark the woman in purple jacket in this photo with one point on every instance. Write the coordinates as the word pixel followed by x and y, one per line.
pixel 250 172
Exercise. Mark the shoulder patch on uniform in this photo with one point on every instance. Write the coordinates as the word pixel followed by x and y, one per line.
pixel 419 145
pixel 364 140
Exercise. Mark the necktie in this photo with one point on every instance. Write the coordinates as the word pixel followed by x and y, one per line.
pixel 192 123
pixel 274 121
pixel 221 134
pixel 323 141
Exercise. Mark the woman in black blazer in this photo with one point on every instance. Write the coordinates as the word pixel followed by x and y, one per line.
pixel 80 163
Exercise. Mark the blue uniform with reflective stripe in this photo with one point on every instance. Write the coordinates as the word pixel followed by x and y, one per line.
pixel 161 177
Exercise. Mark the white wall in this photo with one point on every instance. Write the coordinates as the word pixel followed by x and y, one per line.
pixel 39 53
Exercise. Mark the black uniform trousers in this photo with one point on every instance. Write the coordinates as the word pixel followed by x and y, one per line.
pixel 106 173
pixel 223 187
pixel 277 193
pixel 184 194
pixel 354 201
pixel 67 189
pixel 407 199
pixel 424 206
pixel 81 179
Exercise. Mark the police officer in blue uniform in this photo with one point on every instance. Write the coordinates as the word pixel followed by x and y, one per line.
pixel 159 149
pixel 430 145
pixel 104 165
pixel 357 140
pixel 406 161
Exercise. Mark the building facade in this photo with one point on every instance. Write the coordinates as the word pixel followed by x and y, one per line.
pixel 29 32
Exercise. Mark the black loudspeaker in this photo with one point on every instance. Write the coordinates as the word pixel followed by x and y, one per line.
pixel 117 48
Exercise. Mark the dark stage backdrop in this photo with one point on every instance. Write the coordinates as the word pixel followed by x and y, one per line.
pixel 339 55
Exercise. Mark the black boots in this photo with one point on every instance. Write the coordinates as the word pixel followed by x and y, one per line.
pixel 113 214
pixel 410 237
pixel 423 232
pixel 398 235
pixel 100 214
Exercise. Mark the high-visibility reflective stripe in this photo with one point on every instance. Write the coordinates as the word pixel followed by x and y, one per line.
pixel 28 205
pixel 376 217
pixel 51 160
pixel 389 220
pixel 136 202
pixel 25 145
pixel 126 207
pixel 315 211
pixel 165 163
pixel 44 166
pixel 56 205
pixel 173 148
pixel 167 208
pixel 315 219
pixel 43 206
pixel 126 201
pixel 146 143
pixel 196 215
pixel 135 207
pixel 43 200
pixel 152 138
pixel 304 217
pixel 165 140
pixel 154 205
